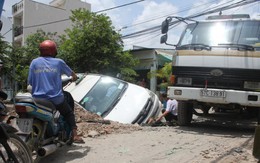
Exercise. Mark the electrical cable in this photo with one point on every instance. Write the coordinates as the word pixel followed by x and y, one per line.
pixel 224 8
pixel 208 11
pixel 94 12
pixel 120 6
pixel 7 32
pixel 149 38
pixel 156 28
pixel 163 16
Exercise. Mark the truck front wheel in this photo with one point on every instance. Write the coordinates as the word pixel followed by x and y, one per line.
pixel 185 111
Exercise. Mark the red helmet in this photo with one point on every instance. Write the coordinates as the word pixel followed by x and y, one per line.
pixel 48 48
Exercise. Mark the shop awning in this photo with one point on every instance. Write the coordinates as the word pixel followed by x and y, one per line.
pixel 163 57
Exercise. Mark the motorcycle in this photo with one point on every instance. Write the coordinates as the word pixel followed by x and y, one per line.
pixel 12 148
pixel 41 126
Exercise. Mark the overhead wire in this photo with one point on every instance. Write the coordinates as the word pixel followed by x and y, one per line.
pixel 57 21
pixel 165 15
pixel 207 11
pixel 224 8
pixel 119 6
pixel 152 29
pixel 137 34
pixel 129 35
pixel 156 34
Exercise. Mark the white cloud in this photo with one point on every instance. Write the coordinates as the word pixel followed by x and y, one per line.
pixel 98 5
pixel 152 15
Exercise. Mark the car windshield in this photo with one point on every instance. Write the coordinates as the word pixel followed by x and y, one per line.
pixel 103 96
pixel 222 34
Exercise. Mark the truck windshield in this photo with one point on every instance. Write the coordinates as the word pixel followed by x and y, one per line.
pixel 222 33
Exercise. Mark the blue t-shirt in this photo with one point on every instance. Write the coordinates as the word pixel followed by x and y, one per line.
pixel 45 78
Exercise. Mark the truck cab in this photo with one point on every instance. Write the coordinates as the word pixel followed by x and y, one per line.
pixel 217 65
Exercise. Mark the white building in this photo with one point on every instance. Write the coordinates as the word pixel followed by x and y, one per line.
pixel 29 16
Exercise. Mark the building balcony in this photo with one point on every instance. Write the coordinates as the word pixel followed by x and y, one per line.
pixel 17 8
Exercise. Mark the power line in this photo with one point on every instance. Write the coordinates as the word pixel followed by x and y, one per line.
pixel 127 4
pixel 119 6
pixel 163 16
pixel 206 12
pixel 69 19
pixel 224 8
pixel 143 32
pixel 157 33
pixel 7 31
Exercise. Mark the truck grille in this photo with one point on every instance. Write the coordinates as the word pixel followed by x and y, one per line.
pixel 229 78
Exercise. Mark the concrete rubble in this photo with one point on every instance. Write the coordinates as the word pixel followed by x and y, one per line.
pixel 93 125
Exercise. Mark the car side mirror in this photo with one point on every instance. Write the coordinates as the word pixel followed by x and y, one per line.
pixel 119 76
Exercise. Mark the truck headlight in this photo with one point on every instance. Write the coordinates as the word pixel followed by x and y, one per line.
pixel 252 85
pixel 184 81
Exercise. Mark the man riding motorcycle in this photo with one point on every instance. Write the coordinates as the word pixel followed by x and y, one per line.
pixel 45 78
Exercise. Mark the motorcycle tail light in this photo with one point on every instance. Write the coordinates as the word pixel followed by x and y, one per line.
pixel 20 108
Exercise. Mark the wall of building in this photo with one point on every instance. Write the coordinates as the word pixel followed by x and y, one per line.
pixel 147 62
pixel 151 60
pixel 35 13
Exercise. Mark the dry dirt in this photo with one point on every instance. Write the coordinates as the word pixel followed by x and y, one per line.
pixel 202 142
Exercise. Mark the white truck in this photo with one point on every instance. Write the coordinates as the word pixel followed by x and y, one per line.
pixel 217 65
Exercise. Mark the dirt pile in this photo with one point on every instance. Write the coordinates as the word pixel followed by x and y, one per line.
pixel 92 125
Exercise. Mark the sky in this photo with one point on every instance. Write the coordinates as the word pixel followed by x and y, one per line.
pixel 145 14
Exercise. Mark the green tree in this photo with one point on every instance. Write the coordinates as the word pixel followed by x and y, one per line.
pixel 12 58
pixel 32 43
pixel 93 45
pixel 5 49
pixel 4 46
pixel 162 73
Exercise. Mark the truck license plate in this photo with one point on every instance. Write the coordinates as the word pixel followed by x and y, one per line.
pixel 212 93
pixel 24 124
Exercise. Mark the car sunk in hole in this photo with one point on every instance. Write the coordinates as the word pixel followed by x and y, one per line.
pixel 114 99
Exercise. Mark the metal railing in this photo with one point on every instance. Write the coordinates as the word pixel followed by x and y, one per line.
pixel 17 7
pixel 18 30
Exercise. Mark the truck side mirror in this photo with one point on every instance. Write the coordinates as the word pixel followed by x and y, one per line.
pixel 164 26
pixel 164 39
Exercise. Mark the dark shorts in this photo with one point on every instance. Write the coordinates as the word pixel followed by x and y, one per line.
pixel 169 117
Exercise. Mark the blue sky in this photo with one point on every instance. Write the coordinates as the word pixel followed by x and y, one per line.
pixel 149 13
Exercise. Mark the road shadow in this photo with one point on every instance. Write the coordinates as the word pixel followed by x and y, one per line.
pixel 232 125
pixel 66 153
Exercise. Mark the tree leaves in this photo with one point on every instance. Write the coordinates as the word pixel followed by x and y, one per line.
pixel 92 45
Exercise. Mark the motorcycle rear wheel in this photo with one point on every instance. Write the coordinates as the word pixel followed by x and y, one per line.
pixel 19 148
